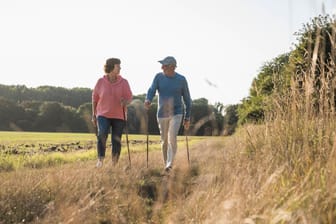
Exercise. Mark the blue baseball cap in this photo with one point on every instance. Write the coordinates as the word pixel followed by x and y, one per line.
pixel 168 61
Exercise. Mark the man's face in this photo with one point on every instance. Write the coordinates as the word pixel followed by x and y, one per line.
pixel 168 69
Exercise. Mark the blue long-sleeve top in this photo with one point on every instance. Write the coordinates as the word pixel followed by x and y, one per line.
pixel 172 90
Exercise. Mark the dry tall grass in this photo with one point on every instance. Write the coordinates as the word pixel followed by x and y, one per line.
pixel 257 176
pixel 80 193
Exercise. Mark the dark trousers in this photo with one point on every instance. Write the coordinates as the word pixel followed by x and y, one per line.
pixel 106 125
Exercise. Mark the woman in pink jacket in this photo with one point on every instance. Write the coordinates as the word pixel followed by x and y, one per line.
pixel 110 98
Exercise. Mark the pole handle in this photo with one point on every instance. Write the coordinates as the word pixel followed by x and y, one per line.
pixel 187 144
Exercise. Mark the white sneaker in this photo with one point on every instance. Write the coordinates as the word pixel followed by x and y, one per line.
pixel 99 163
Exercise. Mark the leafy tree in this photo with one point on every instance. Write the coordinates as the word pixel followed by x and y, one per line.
pixel 85 113
pixel 273 74
pixel 48 108
pixel 230 119
pixel 218 109
pixel 10 114
pixel 139 119
pixel 31 110
pixel 152 121
pixel 142 97
pixel 313 62
pixel 71 121
pixel 203 118
pixel 71 97
pixel 49 116
pixel 53 116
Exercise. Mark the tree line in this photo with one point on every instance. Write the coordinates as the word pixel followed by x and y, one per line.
pixel 48 108
pixel 58 109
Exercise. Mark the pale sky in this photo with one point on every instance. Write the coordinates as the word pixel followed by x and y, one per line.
pixel 225 42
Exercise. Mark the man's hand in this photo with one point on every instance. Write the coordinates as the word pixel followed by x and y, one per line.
pixel 147 104
pixel 186 124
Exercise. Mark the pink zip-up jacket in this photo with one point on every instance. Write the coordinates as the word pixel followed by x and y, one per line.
pixel 108 97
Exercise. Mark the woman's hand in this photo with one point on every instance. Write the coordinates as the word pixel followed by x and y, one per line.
pixel 124 102
pixel 94 120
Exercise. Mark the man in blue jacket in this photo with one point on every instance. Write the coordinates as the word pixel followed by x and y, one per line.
pixel 173 106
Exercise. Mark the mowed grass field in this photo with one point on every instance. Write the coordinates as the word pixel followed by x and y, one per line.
pixel 40 149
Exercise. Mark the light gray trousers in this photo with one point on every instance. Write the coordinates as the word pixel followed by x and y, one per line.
pixel 169 128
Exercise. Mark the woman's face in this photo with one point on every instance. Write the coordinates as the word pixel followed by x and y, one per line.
pixel 116 69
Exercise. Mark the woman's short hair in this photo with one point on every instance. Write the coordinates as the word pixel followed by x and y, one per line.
pixel 109 66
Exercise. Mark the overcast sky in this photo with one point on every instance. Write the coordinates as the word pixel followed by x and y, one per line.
pixel 219 45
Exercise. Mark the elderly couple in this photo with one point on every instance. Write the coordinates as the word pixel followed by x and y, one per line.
pixel 112 93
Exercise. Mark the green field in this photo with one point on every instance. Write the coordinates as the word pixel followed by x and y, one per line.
pixel 41 149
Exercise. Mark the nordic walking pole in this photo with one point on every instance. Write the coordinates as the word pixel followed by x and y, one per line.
pixel 126 131
pixel 96 130
pixel 186 137
pixel 147 138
